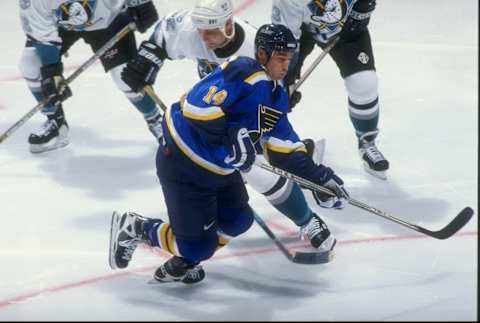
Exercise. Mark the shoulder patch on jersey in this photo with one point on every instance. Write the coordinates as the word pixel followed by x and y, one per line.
pixel 240 68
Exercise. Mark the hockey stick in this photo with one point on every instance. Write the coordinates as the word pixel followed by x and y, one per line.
pixel 308 258
pixel 122 33
pixel 449 230
pixel 315 63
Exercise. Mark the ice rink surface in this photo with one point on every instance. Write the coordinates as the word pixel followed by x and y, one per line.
pixel 56 207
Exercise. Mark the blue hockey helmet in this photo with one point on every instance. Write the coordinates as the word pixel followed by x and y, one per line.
pixel 273 37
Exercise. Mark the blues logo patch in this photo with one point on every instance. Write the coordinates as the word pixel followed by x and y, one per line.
pixel 267 119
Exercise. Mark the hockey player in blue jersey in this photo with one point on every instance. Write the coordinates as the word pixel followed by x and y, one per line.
pixel 209 34
pixel 209 136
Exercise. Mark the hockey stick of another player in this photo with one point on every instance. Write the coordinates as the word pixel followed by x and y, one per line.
pixel 315 63
pixel 115 39
pixel 449 230
pixel 307 258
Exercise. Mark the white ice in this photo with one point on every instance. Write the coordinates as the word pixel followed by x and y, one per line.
pixel 55 207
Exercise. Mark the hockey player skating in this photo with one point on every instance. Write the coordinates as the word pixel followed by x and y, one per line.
pixel 209 136
pixel 320 21
pixel 52 27
pixel 209 34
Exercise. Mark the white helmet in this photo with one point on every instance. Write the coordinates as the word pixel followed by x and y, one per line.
pixel 212 14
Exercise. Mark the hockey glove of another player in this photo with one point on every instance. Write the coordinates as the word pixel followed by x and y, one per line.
pixel 142 13
pixel 294 97
pixel 242 150
pixel 143 68
pixel 53 84
pixel 335 184
pixel 358 19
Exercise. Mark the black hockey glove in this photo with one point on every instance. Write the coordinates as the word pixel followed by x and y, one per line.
pixel 358 19
pixel 333 183
pixel 142 70
pixel 142 13
pixel 294 97
pixel 242 150
pixel 53 84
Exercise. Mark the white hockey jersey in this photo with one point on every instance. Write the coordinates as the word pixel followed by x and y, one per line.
pixel 177 35
pixel 323 26
pixel 42 18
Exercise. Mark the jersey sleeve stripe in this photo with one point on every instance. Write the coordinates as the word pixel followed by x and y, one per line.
pixel 189 152
pixel 203 114
pixel 284 146
pixel 256 77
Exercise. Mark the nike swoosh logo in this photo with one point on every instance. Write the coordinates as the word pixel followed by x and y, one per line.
pixel 206 227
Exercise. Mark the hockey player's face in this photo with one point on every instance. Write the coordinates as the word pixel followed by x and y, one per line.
pixel 216 38
pixel 277 65
pixel 212 38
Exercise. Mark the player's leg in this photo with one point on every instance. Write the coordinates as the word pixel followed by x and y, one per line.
pixel 357 66
pixel 115 60
pixel 191 235
pixel 288 198
pixel 53 133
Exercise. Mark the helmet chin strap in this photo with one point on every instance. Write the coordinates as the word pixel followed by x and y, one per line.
pixel 228 38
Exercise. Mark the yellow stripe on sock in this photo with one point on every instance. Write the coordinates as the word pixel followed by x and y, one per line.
pixel 163 236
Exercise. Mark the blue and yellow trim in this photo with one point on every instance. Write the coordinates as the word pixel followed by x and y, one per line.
pixel 256 77
pixel 203 114
pixel 190 153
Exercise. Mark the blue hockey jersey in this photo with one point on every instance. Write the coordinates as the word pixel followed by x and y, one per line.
pixel 238 93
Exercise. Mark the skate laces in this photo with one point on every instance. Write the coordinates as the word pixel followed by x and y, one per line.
pixel 313 228
pixel 194 273
pixel 129 249
pixel 130 240
pixel 48 126
pixel 369 148
pixel 372 152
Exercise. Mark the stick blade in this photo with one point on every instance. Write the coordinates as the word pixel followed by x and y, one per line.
pixel 313 258
pixel 453 227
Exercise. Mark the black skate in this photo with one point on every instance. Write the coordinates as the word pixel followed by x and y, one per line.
pixel 177 270
pixel 373 160
pixel 316 231
pixel 53 135
pixel 155 126
pixel 126 232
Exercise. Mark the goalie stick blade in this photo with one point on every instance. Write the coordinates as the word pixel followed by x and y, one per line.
pixel 453 227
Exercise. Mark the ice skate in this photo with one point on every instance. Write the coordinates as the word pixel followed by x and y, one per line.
pixel 374 162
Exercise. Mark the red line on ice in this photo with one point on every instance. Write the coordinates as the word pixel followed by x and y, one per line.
pixel 26 296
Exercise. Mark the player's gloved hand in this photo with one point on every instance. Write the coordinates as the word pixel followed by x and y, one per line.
pixel 242 150
pixel 142 13
pixel 333 183
pixel 53 84
pixel 358 19
pixel 142 70
pixel 294 97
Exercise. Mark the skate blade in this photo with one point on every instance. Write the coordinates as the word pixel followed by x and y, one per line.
pixel 378 174
pixel 37 149
pixel 114 225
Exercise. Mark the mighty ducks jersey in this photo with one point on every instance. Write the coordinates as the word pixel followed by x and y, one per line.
pixel 42 18
pixel 239 94
pixel 177 35
pixel 322 25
